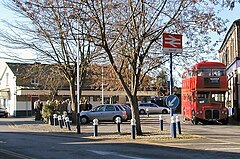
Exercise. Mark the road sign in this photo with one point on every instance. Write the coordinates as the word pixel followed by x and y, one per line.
pixel 172 43
pixel 172 101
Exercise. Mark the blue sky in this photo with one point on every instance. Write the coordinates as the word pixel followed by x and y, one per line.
pixel 231 15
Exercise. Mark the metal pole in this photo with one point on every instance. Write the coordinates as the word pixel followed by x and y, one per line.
pixel 171 82
pixel 78 94
pixel 102 87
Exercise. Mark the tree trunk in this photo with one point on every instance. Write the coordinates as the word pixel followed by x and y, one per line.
pixel 73 100
pixel 135 114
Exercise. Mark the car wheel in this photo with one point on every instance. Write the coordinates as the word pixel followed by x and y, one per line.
pixel 115 119
pixel 142 111
pixel 164 111
pixel 84 120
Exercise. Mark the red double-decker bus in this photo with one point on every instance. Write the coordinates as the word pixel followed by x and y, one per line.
pixel 203 93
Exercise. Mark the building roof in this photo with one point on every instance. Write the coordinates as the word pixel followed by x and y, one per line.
pixel 19 68
pixel 236 22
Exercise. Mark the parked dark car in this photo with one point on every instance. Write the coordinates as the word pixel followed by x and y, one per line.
pixel 105 112
pixel 3 112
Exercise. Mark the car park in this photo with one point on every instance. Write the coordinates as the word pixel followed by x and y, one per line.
pixel 152 108
pixel 105 112
pixel 3 112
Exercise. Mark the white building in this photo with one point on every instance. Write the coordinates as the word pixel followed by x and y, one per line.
pixel 230 55
pixel 19 95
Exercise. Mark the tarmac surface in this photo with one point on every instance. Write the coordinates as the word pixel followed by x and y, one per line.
pixel 205 138
pixel 106 130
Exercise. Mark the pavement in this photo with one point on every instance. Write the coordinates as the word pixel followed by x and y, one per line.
pixel 106 131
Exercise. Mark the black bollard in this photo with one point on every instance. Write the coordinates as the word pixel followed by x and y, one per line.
pixel 95 127
pixel 78 123
pixel 161 122
pixel 64 116
pixel 55 119
pixel 63 120
pixel 118 121
pixel 68 123
pixel 173 128
pixel 178 125
pixel 133 125
pixel 66 126
pixel 60 121
pixel 147 111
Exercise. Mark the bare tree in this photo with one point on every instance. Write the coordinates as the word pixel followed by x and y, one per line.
pixel 130 33
pixel 49 77
pixel 55 31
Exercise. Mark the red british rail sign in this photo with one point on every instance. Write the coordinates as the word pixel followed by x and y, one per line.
pixel 172 42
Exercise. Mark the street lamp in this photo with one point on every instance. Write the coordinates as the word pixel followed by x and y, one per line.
pixel 102 87
pixel 78 90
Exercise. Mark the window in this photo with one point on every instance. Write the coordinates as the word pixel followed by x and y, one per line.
pixel 218 72
pixel 34 81
pixel 153 105
pixel 146 105
pixel 203 98
pixel 204 72
pixel 4 102
pixel 99 109
pixel 118 108
pixel 110 108
pixel 7 78
pixel 217 97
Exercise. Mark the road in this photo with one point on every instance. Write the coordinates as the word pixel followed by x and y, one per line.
pixel 216 137
pixel 18 144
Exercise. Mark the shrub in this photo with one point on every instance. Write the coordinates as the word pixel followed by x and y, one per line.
pixel 48 110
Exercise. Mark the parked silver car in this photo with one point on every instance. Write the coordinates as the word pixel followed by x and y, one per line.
pixel 105 112
pixel 152 108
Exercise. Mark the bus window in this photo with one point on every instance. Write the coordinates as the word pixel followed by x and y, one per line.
pixel 218 72
pixel 203 98
pixel 217 97
pixel 204 72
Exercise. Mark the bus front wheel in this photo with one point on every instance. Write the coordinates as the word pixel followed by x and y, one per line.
pixel 194 118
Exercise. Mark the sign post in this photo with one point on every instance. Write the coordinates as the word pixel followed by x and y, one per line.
pixel 172 43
